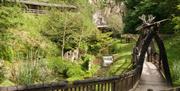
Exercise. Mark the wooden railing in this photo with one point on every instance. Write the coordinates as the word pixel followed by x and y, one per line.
pixel 41 7
pixel 36 11
pixel 158 63
pixel 123 82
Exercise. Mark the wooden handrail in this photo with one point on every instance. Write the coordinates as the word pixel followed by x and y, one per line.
pixel 115 83
pixel 43 4
pixel 42 7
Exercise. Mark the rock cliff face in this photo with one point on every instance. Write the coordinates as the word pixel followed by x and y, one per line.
pixel 110 6
pixel 99 18
pixel 111 10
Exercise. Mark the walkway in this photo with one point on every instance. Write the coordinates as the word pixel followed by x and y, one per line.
pixel 151 79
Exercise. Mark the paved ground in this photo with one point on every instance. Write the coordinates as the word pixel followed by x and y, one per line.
pixel 151 79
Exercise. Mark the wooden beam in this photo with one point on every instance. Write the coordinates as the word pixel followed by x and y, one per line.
pixel 45 5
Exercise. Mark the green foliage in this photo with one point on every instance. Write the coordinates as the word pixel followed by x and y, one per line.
pixel 19 45
pixel 21 40
pixel 75 71
pixel 31 44
pixel 172 47
pixel 116 23
pixel 58 66
pixel 36 71
pixel 175 72
pixel 176 20
pixel 6 52
pixel 21 36
pixel 99 43
pixel 132 3
pixel 64 27
pixel 115 47
pixel 122 59
pixel 2 77
pixel 28 74
pixel 160 9
pixel 86 61
pixel 64 69
pixel 93 70
pixel 10 17
pixel 64 23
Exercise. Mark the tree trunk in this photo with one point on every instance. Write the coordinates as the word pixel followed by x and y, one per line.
pixel 79 44
pixel 62 50
pixel 64 36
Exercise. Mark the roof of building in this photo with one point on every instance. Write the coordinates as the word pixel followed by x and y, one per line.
pixel 44 4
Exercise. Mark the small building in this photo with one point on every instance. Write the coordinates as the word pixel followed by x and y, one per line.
pixel 42 7
pixel 107 60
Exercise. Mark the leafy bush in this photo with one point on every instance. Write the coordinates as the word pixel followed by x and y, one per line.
pixel 20 35
pixel 75 71
pixel 10 17
pixel 99 43
pixel 172 47
pixel 115 22
pixel 20 45
pixel 176 20
pixel 86 61
pixel 115 47
pixel 33 72
pixel 28 74
pixel 7 52
pixel 58 66
pixel 2 77
pixel 31 44
pixel 63 68
pixel 175 72
pixel 160 9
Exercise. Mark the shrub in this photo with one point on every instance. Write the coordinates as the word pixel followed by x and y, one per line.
pixel 115 47
pixel 63 68
pixel 28 74
pixel 115 22
pixel 10 17
pixel 75 71
pixel 86 60
pixel 175 72
pixel 2 77
pixel 6 52
pixel 58 66
pixel 31 72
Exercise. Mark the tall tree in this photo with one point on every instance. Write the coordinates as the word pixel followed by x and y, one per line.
pixel 160 8
pixel 176 20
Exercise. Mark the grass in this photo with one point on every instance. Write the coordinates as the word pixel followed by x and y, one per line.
pixel 122 60
pixel 50 1
pixel 7 83
pixel 173 52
